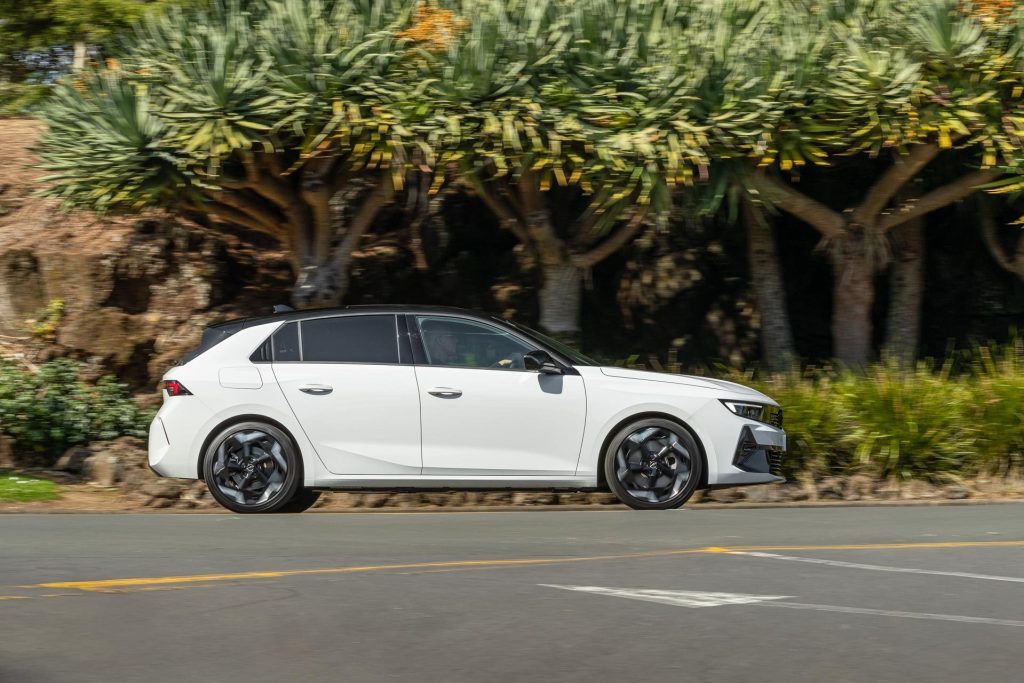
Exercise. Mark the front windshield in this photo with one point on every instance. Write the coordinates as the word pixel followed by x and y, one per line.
pixel 574 356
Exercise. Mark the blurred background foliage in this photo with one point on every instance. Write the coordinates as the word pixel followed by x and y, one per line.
pixel 860 153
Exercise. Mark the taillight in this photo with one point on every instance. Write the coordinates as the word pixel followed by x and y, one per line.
pixel 175 388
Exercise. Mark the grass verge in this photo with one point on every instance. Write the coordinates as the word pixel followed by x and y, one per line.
pixel 18 488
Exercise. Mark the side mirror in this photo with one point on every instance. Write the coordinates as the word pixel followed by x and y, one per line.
pixel 542 362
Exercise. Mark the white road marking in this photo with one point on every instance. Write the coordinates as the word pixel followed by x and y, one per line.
pixel 702 599
pixel 677 598
pixel 896 613
pixel 877 567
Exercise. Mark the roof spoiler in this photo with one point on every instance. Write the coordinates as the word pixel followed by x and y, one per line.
pixel 281 308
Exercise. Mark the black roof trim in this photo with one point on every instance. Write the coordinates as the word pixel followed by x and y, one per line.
pixel 305 314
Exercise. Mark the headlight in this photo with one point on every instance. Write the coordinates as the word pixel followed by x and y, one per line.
pixel 761 412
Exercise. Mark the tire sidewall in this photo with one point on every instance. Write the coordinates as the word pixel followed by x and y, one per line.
pixel 688 440
pixel 293 479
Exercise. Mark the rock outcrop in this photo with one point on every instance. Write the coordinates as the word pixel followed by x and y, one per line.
pixel 135 290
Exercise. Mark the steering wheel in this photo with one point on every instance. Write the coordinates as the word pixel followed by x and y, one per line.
pixel 514 361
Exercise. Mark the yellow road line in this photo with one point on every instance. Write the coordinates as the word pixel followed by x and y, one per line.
pixel 105 584
pixel 112 585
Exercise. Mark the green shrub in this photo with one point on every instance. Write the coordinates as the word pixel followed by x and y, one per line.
pixel 907 423
pixel 998 378
pixel 48 410
pixel 890 421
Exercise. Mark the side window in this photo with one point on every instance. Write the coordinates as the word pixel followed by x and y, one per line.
pixel 285 343
pixel 350 339
pixel 470 344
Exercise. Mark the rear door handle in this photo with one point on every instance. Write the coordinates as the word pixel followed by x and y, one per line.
pixel 316 389
pixel 445 392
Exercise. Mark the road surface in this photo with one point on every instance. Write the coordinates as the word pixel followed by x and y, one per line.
pixel 838 594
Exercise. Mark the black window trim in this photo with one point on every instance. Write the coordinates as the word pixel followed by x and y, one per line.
pixel 419 357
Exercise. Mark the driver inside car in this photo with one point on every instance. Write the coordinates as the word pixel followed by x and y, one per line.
pixel 443 347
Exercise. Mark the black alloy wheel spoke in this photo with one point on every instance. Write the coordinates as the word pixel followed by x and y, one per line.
pixel 652 464
pixel 249 467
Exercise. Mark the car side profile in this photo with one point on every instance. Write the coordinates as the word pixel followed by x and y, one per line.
pixel 270 411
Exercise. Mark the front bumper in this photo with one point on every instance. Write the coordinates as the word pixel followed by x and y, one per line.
pixel 760 450
pixel 749 453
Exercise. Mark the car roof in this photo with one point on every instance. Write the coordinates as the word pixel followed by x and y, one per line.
pixel 305 314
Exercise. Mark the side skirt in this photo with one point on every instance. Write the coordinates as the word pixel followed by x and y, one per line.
pixel 441 483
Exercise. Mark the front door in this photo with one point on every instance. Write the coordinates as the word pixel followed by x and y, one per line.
pixel 484 414
pixel 357 405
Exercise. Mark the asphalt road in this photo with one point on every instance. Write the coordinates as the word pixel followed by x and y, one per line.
pixel 837 594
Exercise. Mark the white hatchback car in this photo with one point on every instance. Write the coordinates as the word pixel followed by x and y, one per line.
pixel 269 411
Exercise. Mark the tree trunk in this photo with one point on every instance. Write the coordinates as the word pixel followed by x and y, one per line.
pixel 78 61
pixel 852 297
pixel 777 351
pixel 903 324
pixel 560 295
pixel 323 278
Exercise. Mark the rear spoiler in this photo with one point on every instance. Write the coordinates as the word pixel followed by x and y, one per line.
pixel 218 332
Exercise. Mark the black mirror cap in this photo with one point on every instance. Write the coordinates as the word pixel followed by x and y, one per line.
pixel 542 362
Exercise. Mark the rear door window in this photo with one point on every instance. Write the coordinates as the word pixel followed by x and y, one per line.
pixel 349 339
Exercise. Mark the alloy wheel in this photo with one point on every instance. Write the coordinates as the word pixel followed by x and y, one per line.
pixel 250 467
pixel 653 465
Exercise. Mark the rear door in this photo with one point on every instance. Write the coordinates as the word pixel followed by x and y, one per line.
pixel 357 402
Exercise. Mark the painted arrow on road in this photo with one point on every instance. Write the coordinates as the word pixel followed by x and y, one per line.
pixel 677 598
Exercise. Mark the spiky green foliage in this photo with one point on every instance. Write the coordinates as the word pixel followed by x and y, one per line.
pixel 127 164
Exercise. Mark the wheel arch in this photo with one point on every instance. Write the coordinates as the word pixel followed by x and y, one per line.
pixel 602 482
pixel 236 419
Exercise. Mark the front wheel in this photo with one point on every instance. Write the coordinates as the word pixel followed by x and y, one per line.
pixel 253 467
pixel 653 464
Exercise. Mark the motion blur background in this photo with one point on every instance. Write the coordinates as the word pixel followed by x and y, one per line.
pixel 819 197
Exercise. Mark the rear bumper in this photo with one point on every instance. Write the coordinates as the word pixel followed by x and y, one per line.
pixel 172 435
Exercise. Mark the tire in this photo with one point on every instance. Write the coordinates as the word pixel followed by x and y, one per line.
pixel 301 501
pixel 253 467
pixel 653 464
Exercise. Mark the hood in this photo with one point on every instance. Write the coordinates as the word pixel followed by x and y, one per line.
pixel 687 380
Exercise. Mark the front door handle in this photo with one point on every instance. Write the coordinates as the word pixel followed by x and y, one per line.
pixel 316 389
pixel 445 392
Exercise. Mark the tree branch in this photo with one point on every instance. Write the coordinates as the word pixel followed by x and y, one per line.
pixel 895 177
pixel 506 217
pixel 991 240
pixel 268 185
pixel 234 217
pixel 615 241
pixel 826 221
pixel 255 212
pixel 936 199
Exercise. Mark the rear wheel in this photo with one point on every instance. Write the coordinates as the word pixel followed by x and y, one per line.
pixel 253 467
pixel 653 464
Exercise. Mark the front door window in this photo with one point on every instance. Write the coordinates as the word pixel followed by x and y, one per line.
pixel 455 342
